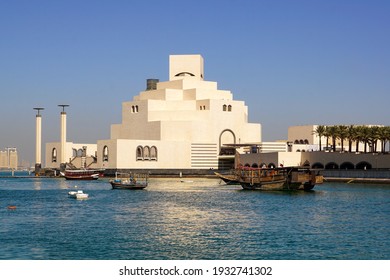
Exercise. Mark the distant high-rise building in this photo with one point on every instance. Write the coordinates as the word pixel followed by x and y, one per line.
pixel 9 158
pixel 3 159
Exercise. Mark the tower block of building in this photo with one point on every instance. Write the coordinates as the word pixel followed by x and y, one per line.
pixel 183 123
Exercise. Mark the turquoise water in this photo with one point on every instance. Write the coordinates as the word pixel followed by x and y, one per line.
pixel 202 219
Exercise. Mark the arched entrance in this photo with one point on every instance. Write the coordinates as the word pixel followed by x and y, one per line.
pixel 227 136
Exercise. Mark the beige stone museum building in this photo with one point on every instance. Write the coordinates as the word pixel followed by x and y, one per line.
pixel 180 124
pixel 187 124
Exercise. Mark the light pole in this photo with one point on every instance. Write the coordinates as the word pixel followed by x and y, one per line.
pixel 38 140
pixel 63 137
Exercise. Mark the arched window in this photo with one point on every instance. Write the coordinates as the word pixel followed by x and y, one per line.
pixel 255 165
pixel 317 165
pixel 134 109
pixel 347 165
pixel 296 141
pixel 364 165
pixel 224 107
pixel 331 165
pixel 105 153
pixel 140 153
pixel 301 142
pixel 54 155
pixel 184 74
pixel 306 141
pixel 153 153
pixel 74 152
pixel 80 152
pixel 146 152
pixel 230 108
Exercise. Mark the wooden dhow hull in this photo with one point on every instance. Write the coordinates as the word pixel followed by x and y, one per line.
pixel 80 174
pixel 229 179
pixel 129 181
pixel 266 186
pixel 276 179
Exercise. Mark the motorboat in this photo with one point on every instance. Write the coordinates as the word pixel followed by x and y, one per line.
pixel 129 181
pixel 79 194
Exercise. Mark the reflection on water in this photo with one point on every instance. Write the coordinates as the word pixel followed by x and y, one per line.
pixel 37 185
pixel 192 219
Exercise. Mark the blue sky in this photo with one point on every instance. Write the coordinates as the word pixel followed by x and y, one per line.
pixel 292 62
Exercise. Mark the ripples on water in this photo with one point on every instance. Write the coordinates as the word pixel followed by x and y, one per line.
pixel 201 219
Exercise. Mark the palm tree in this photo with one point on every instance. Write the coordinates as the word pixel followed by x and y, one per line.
pixel 342 134
pixel 351 135
pixel 332 130
pixel 387 138
pixel 365 136
pixel 359 136
pixel 373 137
pixel 327 135
pixel 319 131
pixel 384 136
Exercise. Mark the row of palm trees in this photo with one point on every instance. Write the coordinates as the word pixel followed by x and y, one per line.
pixel 369 136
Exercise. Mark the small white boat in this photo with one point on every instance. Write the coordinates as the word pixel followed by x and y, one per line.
pixel 78 194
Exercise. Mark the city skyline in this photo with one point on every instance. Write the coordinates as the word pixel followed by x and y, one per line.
pixel 292 62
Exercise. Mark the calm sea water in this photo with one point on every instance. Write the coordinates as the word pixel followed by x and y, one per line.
pixel 202 219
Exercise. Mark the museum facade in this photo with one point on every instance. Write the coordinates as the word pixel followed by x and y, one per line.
pixel 181 124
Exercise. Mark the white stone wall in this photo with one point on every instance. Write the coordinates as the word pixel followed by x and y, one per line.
pixel 122 154
pixel 276 158
pixel 304 132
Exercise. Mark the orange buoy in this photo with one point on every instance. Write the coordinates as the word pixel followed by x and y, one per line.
pixel 11 207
